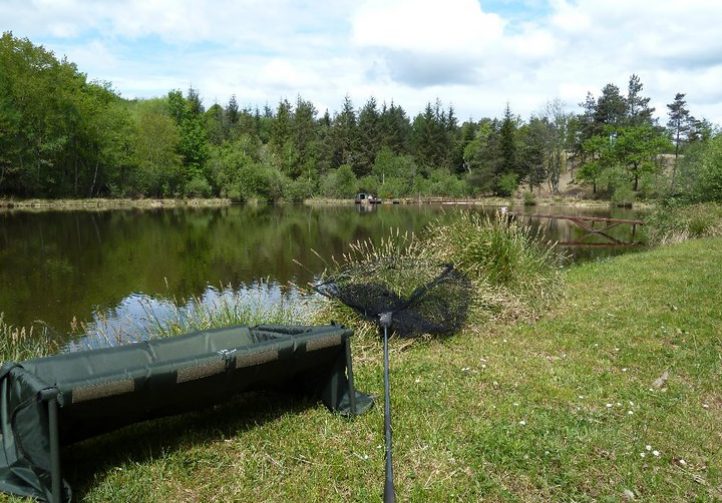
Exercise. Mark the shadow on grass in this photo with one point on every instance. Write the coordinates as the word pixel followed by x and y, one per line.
pixel 85 462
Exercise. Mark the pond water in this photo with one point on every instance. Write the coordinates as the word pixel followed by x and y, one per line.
pixel 119 267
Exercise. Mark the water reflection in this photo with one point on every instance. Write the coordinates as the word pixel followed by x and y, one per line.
pixel 139 317
pixel 122 271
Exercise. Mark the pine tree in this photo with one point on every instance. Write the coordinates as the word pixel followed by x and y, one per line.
pixel 611 107
pixel 507 143
pixel 638 109
pixel 395 128
pixel 534 153
pixel 679 125
pixel 195 104
pixel 344 135
pixel 232 111
pixel 369 137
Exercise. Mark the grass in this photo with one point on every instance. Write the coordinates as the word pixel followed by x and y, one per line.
pixel 673 224
pixel 22 343
pixel 561 409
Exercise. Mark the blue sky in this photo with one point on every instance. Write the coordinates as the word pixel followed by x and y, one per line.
pixel 474 55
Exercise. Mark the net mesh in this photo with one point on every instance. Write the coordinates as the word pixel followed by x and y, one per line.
pixel 421 297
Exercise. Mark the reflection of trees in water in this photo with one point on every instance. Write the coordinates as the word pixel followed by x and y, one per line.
pixel 54 266
pixel 58 265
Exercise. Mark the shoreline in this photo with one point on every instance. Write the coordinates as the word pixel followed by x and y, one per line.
pixel 107 204
pixel 103 204
pixel 483 201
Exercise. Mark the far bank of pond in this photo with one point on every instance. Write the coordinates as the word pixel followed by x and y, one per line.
pixel 122 268
pixel 98 204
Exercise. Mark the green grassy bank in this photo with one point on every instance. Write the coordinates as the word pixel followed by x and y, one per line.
pixel 573 407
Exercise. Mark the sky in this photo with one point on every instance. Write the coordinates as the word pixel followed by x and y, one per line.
pixel 474 55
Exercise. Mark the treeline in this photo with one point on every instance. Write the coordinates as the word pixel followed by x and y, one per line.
pixel 62 136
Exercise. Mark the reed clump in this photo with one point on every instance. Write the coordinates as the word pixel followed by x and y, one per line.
pixel 22 343
pixel 515 272
pixel 676 223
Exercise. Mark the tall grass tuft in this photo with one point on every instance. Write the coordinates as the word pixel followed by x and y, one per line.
pixel 674 224
pixel 498 250
pixel 515 273
pixel 21 343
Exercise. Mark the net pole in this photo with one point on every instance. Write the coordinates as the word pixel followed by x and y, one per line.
pixel 389 493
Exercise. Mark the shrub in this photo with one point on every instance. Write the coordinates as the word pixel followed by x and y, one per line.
pixel 341 183
pixel 444 183
pixel 529 199
pixel 623 196
pixel 701 172
pixel 507 184
pixel 198 187
pixel 369 184
pixel 300 189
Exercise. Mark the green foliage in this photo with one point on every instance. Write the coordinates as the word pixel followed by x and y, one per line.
pixel 394 173
pixel 701 172
pixel 157 169
pixel 507 184
pixel 198 186
pixel 443 183
pixel 529 199
pixel 622 154
pixel 623 196
pixel 674 223
pixel 369 184
pixel 193 145
pixel 299 189
pixel 340 183
pixel 61 136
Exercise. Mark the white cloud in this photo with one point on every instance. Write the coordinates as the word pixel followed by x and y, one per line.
pixel 405 50
pixel 452 27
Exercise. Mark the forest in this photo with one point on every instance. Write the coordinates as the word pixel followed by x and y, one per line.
pixel 64 136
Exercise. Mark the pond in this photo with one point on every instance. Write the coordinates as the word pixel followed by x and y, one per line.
pixel 120 267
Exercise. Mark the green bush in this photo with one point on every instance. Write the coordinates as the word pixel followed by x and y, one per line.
pixel 700 177
pixel 299 190
pixel 507 184
pixel 340 184
pixel 198 187
pixel 369 184
pixel 394 187
pixel 443 183
pixel 529 199
pixel 623 196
